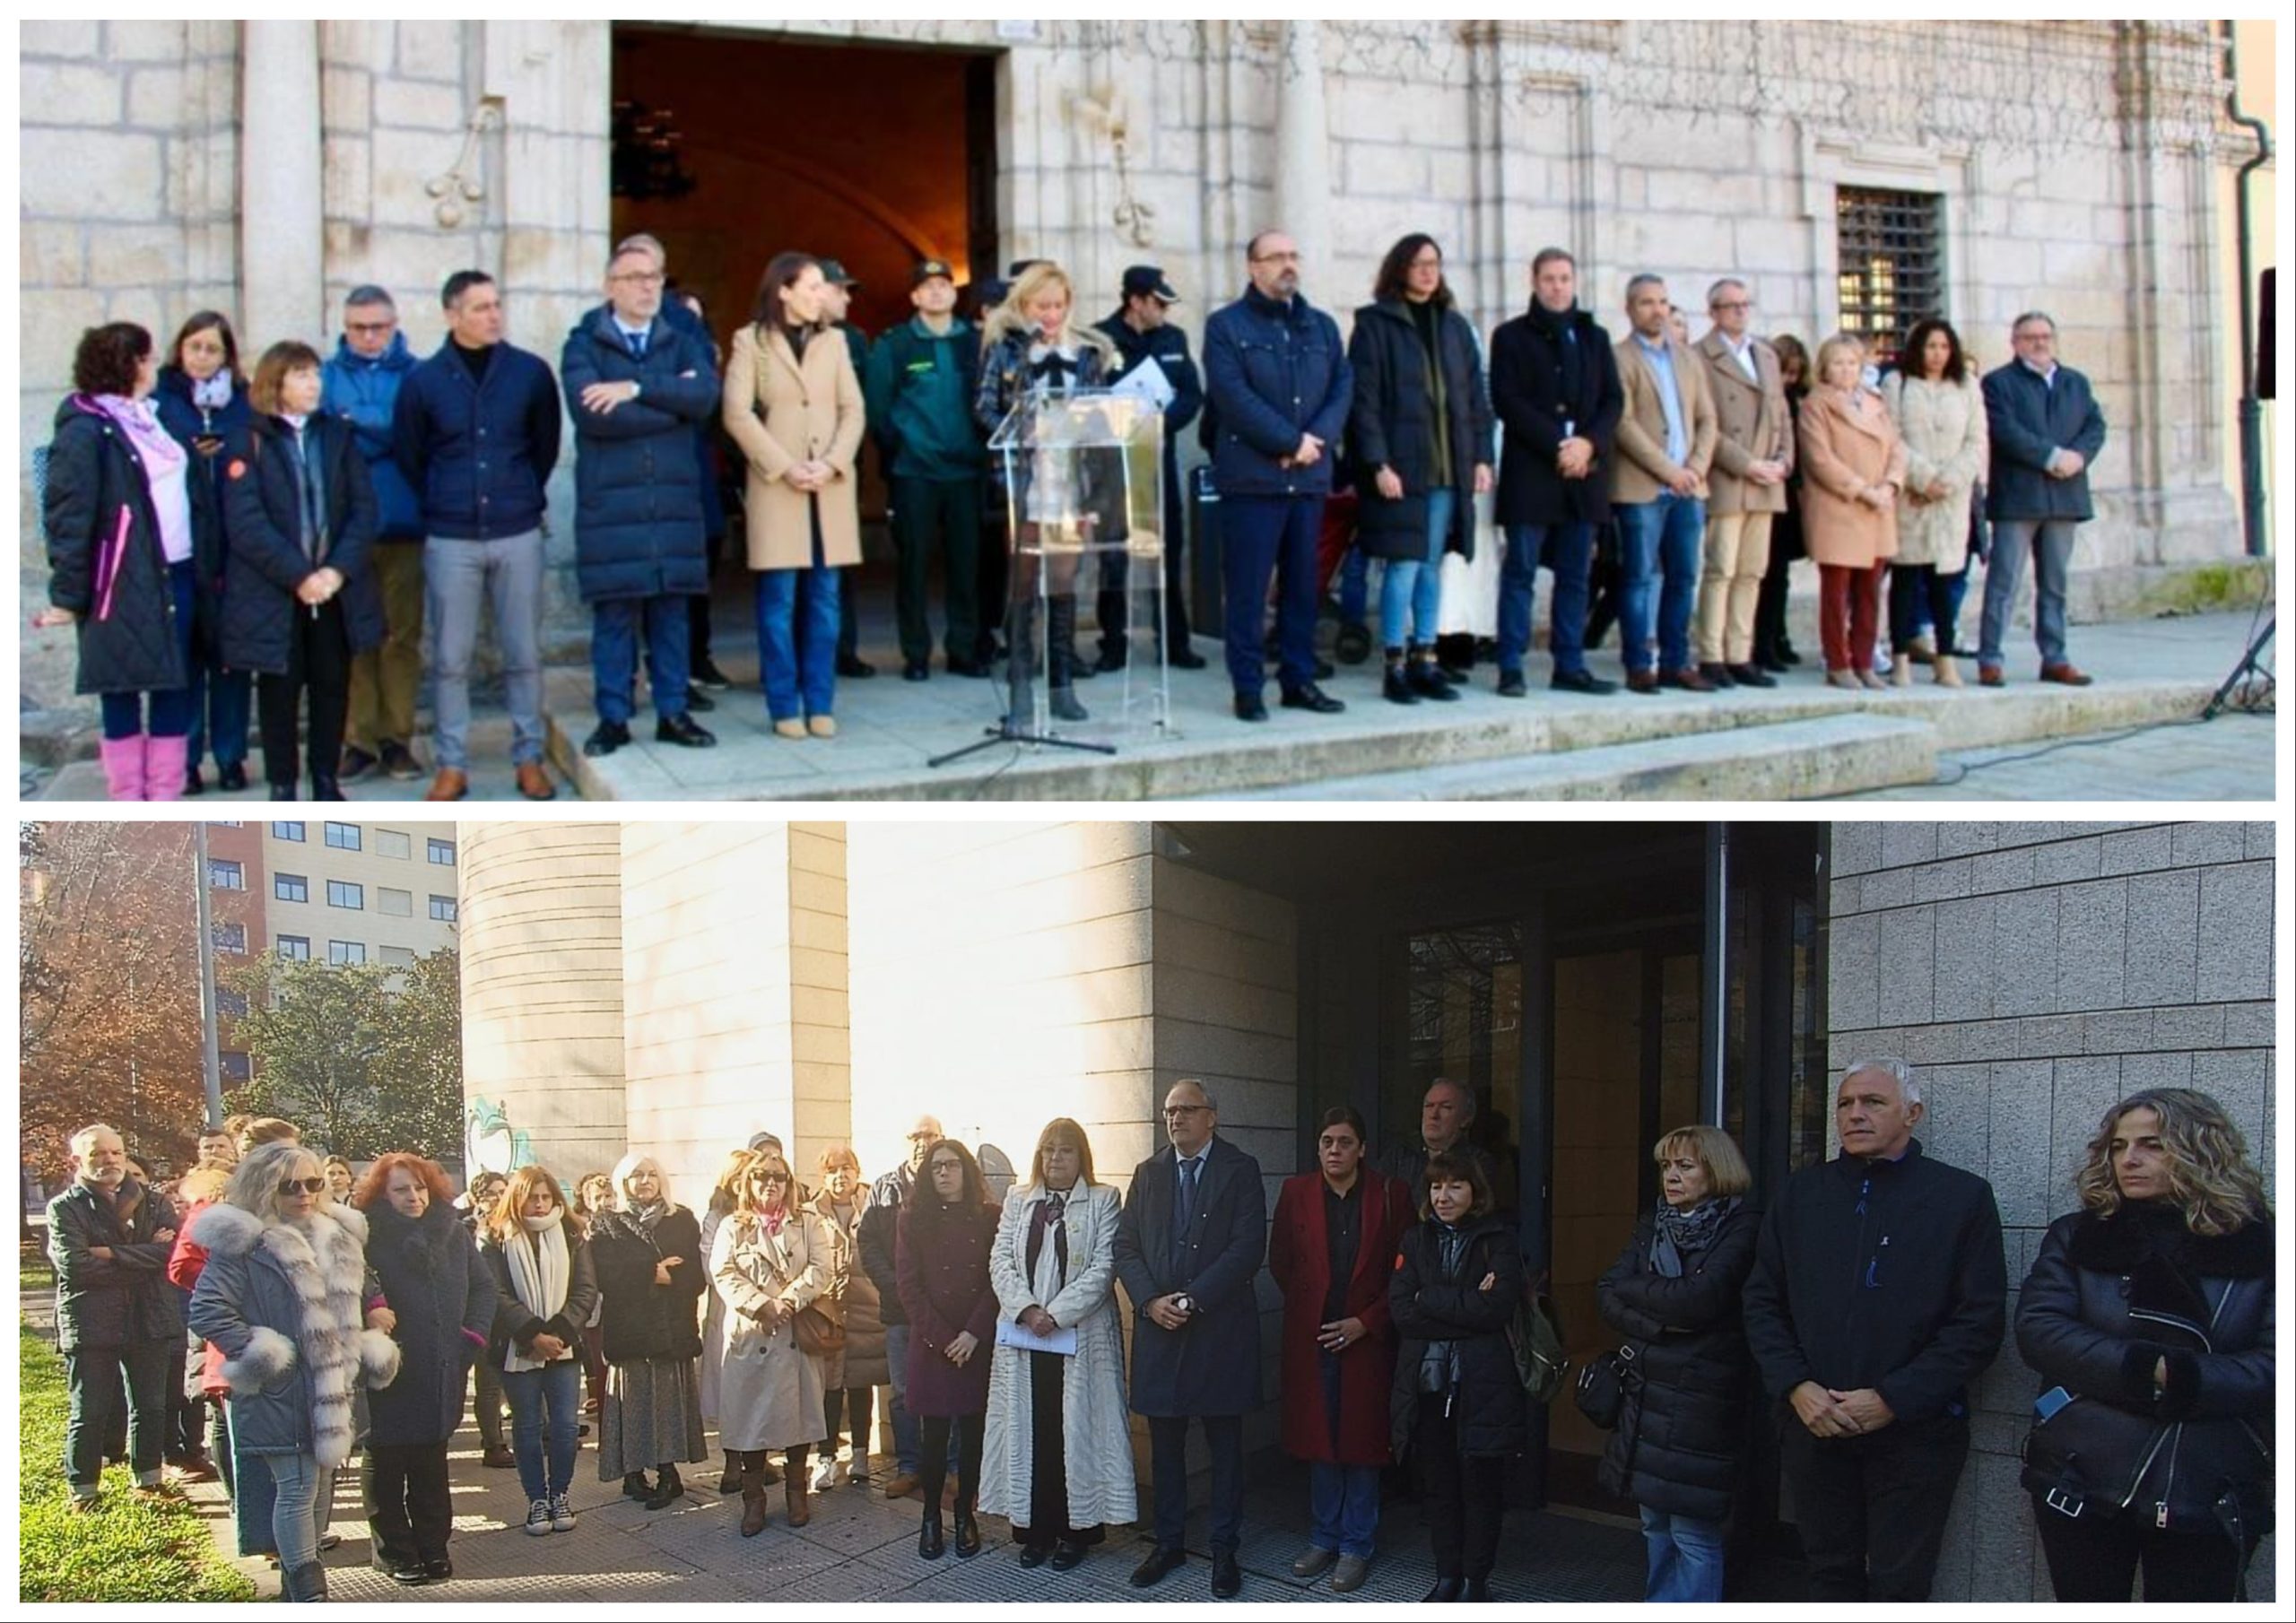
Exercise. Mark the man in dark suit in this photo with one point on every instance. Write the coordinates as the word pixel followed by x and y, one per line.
pixel 2046 430
pixel 1189 1247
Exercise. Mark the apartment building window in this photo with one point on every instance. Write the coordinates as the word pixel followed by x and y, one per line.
pixel 235 1067
pixel 392 843
pixel 343 893
pixel 399 957
pixel 290 888
pixel 223 875
pixel 296 948
pixel 227 1001
pixel 394 903
pixel 1892 265
pixel 343 953
pixel 442 853
pixel 443 908
pixel 290 831
pixel 230 938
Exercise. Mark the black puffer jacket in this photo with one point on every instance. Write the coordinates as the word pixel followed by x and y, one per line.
pixel 444 1299
pixel 1678 1444
pixel 641 1319
pixel 262 504
pixel 106 562
pixel 515 1325
pixel 2110 1297
pixel 1393 424
pixel 1426 1305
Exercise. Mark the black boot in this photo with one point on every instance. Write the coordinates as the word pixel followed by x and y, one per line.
pixel 1398 683
pixel 930 1544
pixel 1446 1589
pixel 634 1486
pixel 1477 1589
pixel 968 1533
pixel 668 1489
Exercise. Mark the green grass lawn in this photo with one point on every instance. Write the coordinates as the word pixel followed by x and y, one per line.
pixel 129 1549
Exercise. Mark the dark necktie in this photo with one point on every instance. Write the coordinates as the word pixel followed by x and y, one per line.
pixel 1184 1218
pixel 637 346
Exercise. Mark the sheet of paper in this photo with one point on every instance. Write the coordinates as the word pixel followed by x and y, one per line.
pixel 1011 1334
pixel 1148 382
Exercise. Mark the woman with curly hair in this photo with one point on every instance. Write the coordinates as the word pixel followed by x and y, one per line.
pixel 651 1269
pixel 441 1302
pixel 539 1260
pixel 2148 1316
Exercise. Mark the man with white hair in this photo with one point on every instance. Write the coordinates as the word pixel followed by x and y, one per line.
pixel 117 1317
pixel 879 1225
pixel 1876 1302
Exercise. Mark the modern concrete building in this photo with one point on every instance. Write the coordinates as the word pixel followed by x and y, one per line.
pixel 676 988
pixel 1857 173
pixel 359 892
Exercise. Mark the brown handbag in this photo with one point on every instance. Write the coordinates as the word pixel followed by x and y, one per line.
pixel 818 1334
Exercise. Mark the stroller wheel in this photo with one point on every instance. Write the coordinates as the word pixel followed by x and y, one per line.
pixel 1354 644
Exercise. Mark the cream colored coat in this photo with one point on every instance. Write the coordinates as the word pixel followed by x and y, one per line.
pixel 768 1389
pixel 1640 466
pixel 781 413
pixel 1753 422
pixel 1848 445
pixel 1943 427
pixel 1096 1432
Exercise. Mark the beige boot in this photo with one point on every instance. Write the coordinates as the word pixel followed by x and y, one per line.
pixel 1902 671
pixel 1947 676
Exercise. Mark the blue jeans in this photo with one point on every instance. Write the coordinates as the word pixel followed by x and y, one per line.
pixel 222 703
pixel 1344 1502
pixel 556 1387
pixel 1270 538
pixel 1685 1556
pixel 298 1514
pixel 904 1423
pixel 2050 544
pixel 796 639
pixel 1411 593
pixel 1572 560
pixel 613 656
pixel 1662 537
pixel 1354 587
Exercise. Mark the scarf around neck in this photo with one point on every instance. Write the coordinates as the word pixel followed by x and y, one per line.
pixel 541 1273
pixel 1684 1233
pixel 161 455
pixel 215 394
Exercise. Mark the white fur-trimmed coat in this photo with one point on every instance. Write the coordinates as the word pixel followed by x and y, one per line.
pixel 1096 1427
pixel 284 1306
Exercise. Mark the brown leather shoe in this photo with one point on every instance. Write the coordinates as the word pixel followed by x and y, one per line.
pixel 1642 681
pixel 449 784
pixel 1689 679
pixel 533 783
pixel 901 1485
pixel 2067 676
pixel 1991 676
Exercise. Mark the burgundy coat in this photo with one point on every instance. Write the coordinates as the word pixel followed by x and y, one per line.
pixel 1300 1257
pixel 945 1287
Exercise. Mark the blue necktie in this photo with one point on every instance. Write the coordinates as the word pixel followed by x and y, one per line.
pixel 637 346
pixel 1191 1168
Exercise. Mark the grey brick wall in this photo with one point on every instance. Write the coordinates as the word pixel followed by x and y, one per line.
pixel 2034 973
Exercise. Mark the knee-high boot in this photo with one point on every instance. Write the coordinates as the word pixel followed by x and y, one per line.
pixel 752 1493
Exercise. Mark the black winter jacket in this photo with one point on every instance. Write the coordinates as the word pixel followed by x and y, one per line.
pixel 514 1325
pixel 1426 1305
pixel 105 558
pixel 1528 389
pixel 1391 423
pixel 2106 1301
pixel 444 1297
pixel 879 1231
pixel 641 1319
pixel 191 424
pixel 1879 1274
pixel 1678 1443
pixel 478 454
pixel 638 520
pixel 124 1299
pixel 262 505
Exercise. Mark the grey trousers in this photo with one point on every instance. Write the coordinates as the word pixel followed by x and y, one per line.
pixel 2050 542
pixel 508 574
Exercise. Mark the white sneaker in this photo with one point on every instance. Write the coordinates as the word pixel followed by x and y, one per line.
pixel 538 1519
pixel 824 1475
pixel 561 1515
pixel 844 1473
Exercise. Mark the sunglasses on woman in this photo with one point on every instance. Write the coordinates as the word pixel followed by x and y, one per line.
pixel 308 1186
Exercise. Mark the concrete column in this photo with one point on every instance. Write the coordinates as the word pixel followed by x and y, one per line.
pixel 1303 149
pixel 542 961
pixel 281 191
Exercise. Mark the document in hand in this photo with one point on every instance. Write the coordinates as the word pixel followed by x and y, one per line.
pixel 1061 1340
pixel 1147 382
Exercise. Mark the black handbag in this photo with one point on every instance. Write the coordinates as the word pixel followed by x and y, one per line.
pixel 1605 1380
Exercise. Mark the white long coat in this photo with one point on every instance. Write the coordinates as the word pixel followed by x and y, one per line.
pixel 768 1389
pixel 1945 433
pixel 1096 1429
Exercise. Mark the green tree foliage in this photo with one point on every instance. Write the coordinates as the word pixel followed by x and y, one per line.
pixel 365 1058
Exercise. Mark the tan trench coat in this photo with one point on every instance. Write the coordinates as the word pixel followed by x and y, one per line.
pixel 1943 427
pixel 782 414
pixel 1849 443
pixel 1755 425
pixel 768 1388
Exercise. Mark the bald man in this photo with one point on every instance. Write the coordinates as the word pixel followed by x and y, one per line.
pixel 879 1224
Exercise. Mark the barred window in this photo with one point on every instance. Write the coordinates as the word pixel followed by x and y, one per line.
pixel 1892 265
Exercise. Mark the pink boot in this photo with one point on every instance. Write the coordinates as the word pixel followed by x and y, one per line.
pixel 164 759
pixel 123 759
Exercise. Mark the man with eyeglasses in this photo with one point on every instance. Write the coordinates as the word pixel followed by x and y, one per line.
pixel 1754 454
pixel 1189 1247
pixel 880 1224
pixel 117 1318
pixel 360 385
pixel 1280 388
pixel 637 389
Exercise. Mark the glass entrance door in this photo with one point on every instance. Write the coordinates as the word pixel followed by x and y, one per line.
pixel 1461 1017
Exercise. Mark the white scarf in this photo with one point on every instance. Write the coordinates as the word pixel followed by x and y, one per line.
pixel 540 1272
pixel 214 394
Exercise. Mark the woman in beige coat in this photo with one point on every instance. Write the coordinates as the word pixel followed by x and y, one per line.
pixel 1934 399
pixel 768 1260
pixel 1853 466
pixel 794 407
pixel 851 1376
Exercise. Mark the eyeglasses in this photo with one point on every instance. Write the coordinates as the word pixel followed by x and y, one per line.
pixel 1292 258
pixel 1735 304
pixel 651 279
pixel 308 1186
pixel 768 1177
pixel 1171 1110
pixel 370 329
pixel 948 1167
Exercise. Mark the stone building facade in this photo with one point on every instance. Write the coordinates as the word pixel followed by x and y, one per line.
pixel 266 166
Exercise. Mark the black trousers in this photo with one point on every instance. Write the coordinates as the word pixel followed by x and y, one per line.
pixel 187 1436
pixel 318 660
pixel 1872 1509
pixel 1909 585
pixel 857 1404
pixel 1465 1497
pixel 933 1460
pixel 2094 1557
pixel 1048 1520
pixel 1771 636
pixel 402 1488
pixel 947 510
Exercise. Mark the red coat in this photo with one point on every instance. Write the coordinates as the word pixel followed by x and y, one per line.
pixel 185 1262
pixel 1299 1256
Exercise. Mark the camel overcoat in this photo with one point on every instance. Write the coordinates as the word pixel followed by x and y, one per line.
pixel 1640 469
pixel 768 1388
pixel 1753 424
pixel 782 412
pixel 1848 444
